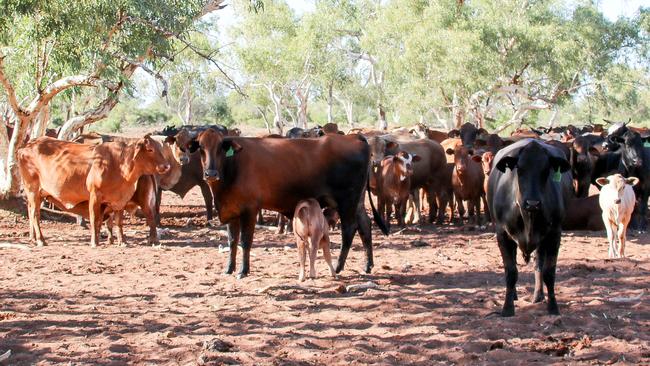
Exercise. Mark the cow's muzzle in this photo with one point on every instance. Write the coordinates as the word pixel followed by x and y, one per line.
pixel 617 201
pixel 163 168
pixel 532 205
pixel 211 175
pixel 184 160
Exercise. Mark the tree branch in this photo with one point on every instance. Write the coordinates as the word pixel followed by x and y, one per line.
pixel 9 90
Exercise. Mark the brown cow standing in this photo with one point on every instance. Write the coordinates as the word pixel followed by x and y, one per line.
pixel 249 174
pixel 396 172
pixel 70 174
pixel 467 180
pixel 311 230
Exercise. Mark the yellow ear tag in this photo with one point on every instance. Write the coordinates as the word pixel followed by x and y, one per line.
pixel 557 176
pixel 230 152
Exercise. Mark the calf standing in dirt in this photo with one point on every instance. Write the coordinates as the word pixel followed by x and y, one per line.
pixel 312 231
pixel 617 202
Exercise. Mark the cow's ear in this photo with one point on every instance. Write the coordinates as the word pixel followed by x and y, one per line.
pixel 477 158
pixel 193 145
pixel 602 181
pixel 453 134
pixel 632 181
pixel 417 158
pixel 231 147
pixel 450 151
pixel 170 140
pixel 507 162
pixel 483 131
pixel 559 163
pixel 391 145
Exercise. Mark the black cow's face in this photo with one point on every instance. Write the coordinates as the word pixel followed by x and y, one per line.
pixel 379 148
pixel 632 153
pixel 468 134
pixel 533 168
pixel 214 151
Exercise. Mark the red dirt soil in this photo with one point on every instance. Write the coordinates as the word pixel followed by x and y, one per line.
pixel 434 303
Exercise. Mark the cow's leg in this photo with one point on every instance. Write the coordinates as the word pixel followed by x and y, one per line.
pixel 119 218
pixel 538 294
pixel 461 208
pixel 109 228
pixel 488 217
pixel 325 244
pixel 400 211
pixel 95 214
pixel 431 201
pixel 247 230
pixel 302 253
pixel 156 209
pixel 508 249
pixel 281 223
pixel 207 198
pixel 314 243
pixel 549 249
pixel 384 211
pixel 260 218
pixel 610 235
pixel 152 217
pixel 34 213
pixel 364 226
pixel 621 240
pixel 233 241
pixel 348 228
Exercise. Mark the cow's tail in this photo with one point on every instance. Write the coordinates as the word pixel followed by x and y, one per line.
pixel 378 220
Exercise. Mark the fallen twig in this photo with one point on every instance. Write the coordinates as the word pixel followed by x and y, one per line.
pixel 361 286
pixel 266 289
pixel 5 356
pixel 14 246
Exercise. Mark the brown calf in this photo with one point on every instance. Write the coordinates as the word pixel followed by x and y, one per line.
pixel 395 180
pixel 311 230
pixel 467 180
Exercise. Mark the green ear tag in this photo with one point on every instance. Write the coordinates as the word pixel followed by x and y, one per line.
pixel 646 144
pixel 557 176
pixel 230 152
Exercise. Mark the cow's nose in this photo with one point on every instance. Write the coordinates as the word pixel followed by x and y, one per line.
pixel 184 160
pixel 617 201
pixel 532 205
pixel 211 175
pixel 163 168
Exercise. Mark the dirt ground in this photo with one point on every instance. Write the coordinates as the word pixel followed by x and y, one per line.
pixel 433 300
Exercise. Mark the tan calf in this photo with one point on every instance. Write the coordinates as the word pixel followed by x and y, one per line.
pixel 311 230
pixel 617 202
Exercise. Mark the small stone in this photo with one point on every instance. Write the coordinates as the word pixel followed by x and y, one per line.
pixel 340 289
pixel 170 334
pixel 217 345
pixel 419 243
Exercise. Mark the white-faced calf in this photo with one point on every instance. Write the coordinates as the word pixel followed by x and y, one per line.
pixel 617 202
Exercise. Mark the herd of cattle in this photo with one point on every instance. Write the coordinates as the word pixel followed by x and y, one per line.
pixel 530 185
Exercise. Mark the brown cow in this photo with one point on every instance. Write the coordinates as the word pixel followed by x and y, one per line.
pixel 395 185
pixel 69 174
pixel 249 174
pixel 311 232
pixel 428 172
pixel 467 180
pixel 583 214
pixel 423 131
pixel 486 164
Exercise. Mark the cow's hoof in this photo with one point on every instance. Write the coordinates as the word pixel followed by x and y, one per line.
pixel 241 275
pixel 508 312
pixel 93 245
pixel 538 298
pixel 229 271
pixel 339 268
pixel 369 268
pixel 553 309
pixel 40 243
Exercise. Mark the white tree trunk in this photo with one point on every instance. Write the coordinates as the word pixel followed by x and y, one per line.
pixel 40 125
pixel 330 102
pixel 10 183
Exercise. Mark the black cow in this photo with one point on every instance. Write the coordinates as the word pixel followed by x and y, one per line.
pixel 297 132
pixel 583 159
pixel 635 162
pixel 527 192
pixel 468 134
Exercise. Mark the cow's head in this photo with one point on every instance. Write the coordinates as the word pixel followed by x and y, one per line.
pixel 462 157
pixel 379 148
pixel 583 158
pixel 486 162
pixel 533 167
pixel 149 153
pixel 214 151
pixel 617 184
pixel 183 145
pixel 468 134
pixel 401 163
pixel 632 148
